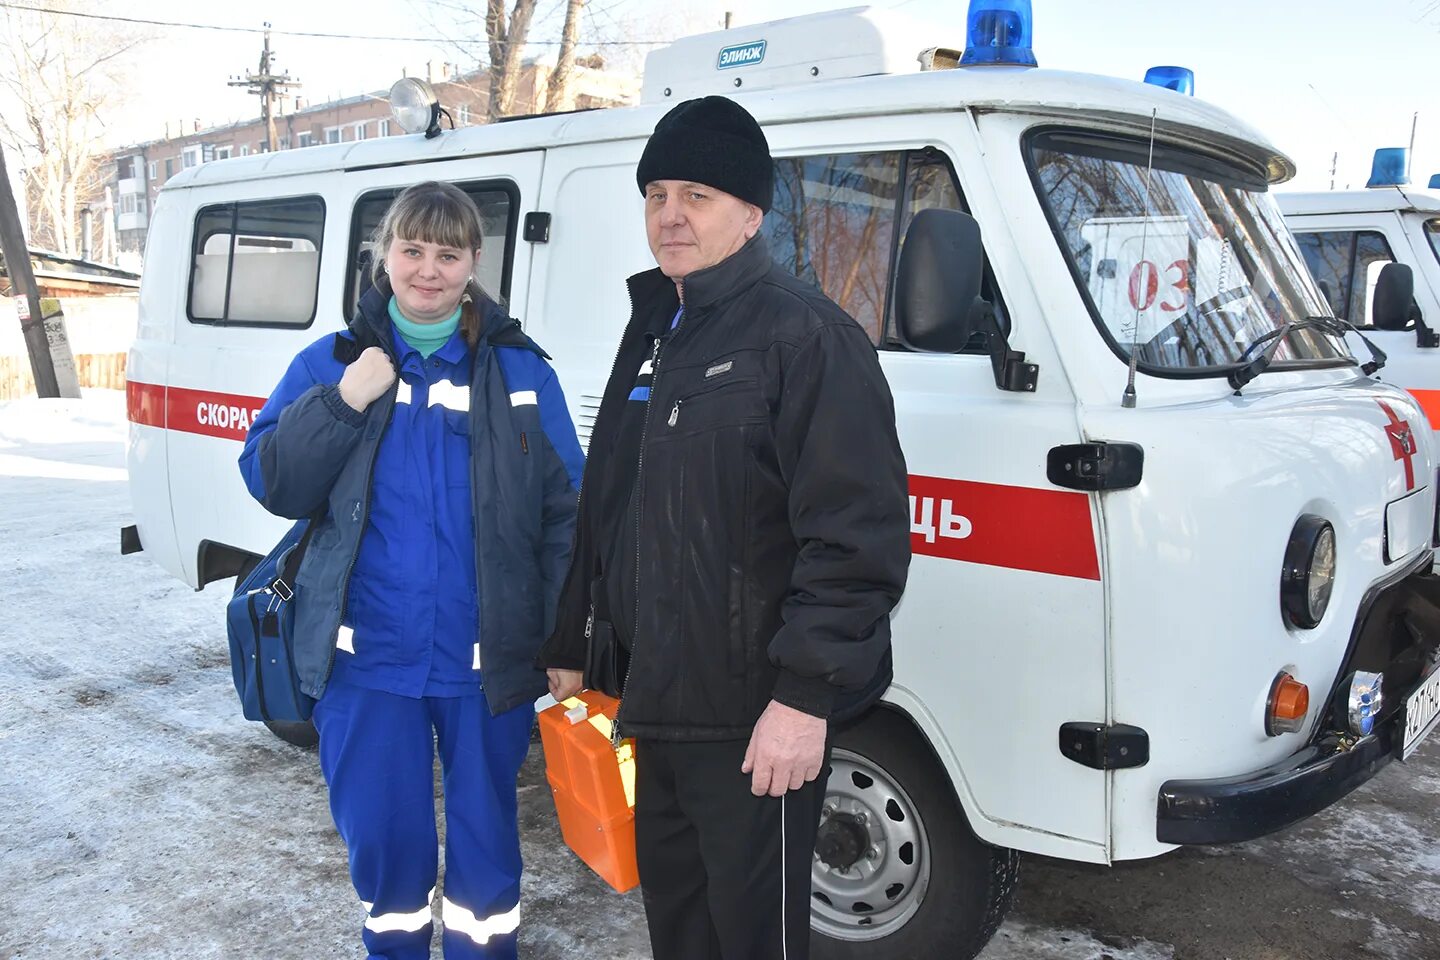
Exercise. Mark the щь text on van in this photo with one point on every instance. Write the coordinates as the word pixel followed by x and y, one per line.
pixel 1135 619
pixel 1376 256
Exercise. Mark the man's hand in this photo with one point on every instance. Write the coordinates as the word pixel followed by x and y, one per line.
pixel 367 378
pixel 564 684
pixel 785 752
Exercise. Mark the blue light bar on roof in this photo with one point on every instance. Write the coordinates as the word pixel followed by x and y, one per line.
pixel 1179 79
pixel 1435 182
pixel 999 33
pixel 1389 167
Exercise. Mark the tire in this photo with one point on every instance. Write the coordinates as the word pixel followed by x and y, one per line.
pixel 923 878
pixel 302 734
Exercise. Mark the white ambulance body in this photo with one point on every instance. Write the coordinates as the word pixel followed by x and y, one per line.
pixel 1348 237
pixel 1105 601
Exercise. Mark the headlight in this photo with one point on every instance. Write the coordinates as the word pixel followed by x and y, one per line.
pixel 1309 572
pixel 415 107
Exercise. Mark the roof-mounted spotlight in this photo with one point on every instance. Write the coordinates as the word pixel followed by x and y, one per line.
pixel 1389 168
pixel 1179 79
pixel 415 107
pixel 1000 33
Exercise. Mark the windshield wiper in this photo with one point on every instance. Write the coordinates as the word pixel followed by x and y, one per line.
pixel 1244 372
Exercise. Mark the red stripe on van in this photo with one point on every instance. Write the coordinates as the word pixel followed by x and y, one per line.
pixel 1429 401
pixel 145 403
pixel 205 412
pixel 1022 528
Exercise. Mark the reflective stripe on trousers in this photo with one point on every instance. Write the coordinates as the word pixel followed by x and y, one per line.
pixel 480 929
pixel 412 922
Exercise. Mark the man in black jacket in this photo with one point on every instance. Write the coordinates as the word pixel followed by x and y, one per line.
pixel 743 536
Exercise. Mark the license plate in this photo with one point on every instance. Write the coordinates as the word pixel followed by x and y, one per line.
pixel 1407 526
pixel 1422 711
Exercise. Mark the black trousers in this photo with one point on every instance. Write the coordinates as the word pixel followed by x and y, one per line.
pixel 725 874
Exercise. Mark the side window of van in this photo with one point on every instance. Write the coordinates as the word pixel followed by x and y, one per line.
pixel 839 221
pixel 497 201
pixel 1346 264
pixel 257 262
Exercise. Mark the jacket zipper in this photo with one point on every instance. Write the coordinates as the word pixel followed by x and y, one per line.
pixel 615 736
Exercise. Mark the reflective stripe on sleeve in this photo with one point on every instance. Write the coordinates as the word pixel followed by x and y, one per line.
pixel 523 398
pixel 456 918
pixel 345 640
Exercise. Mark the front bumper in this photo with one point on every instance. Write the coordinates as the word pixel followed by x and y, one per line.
pixel 1251 805
pixel 1397 632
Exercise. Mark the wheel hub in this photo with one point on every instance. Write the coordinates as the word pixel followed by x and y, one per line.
pixel 841 842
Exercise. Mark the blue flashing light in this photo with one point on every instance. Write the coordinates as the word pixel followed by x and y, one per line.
pixel 1000 32
pixel 1389 167
pixel 1435 182
pixel 1179 79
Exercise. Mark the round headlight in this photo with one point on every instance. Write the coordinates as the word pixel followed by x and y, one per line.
pixel 414 105
pixel 1309 573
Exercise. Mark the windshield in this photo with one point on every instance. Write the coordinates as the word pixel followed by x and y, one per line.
pixel 1432 231
pixel 1191 276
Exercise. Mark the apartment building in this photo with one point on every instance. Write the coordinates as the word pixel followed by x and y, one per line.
pixel 137 172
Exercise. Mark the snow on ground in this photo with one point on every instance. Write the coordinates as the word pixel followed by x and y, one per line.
pixel 142 819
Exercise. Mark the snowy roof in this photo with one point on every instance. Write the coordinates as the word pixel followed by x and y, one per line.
pixel 1377 200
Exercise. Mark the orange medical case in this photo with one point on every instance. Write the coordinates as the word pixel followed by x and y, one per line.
pixel 593 784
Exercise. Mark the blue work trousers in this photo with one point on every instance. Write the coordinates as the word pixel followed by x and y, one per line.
pixel 377 751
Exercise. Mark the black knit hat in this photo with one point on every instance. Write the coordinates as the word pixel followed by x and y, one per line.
pixel 714 141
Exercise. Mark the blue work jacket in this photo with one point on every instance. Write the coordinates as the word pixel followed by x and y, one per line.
pixel 309 448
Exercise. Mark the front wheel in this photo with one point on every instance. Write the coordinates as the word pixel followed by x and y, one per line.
pixel 896 869
pixel 300 734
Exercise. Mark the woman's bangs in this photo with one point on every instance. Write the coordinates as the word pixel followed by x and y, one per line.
pixel 436 219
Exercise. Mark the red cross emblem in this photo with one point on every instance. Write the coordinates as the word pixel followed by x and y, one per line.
pixel 1402 442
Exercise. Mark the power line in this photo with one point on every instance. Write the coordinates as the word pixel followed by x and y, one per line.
pixel 141 21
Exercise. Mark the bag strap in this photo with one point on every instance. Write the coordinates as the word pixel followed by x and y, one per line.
pixel 348 349
pixel 284 582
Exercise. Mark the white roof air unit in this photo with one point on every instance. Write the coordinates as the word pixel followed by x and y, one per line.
pixel 858 42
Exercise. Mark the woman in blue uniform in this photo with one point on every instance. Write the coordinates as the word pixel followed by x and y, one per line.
pixel 437 436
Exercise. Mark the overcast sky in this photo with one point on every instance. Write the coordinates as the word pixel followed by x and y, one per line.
pixel 1316 76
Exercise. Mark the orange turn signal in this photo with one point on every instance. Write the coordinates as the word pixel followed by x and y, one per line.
pixel 1288 705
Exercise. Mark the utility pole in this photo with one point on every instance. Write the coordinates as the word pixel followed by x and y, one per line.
pixel 1334 164
pixel 22 285
pixel 268 87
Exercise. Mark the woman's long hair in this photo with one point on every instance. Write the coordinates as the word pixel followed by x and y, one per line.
pixel 440 213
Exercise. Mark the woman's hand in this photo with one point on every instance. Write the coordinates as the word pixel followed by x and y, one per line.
pixel 367 378
pixel 564 684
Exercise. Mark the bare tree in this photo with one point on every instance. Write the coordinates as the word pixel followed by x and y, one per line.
pixel 507 46
pixel 557 97
pixel 58 74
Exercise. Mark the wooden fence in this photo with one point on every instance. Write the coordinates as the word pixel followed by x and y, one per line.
pixel 103 370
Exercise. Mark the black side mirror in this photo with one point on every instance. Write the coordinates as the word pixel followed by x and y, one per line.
pixel 937 295
pixel 938 280
pixel 1394 294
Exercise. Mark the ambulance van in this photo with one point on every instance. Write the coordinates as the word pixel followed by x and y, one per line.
pixel 1376 256
pixel 1172 546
